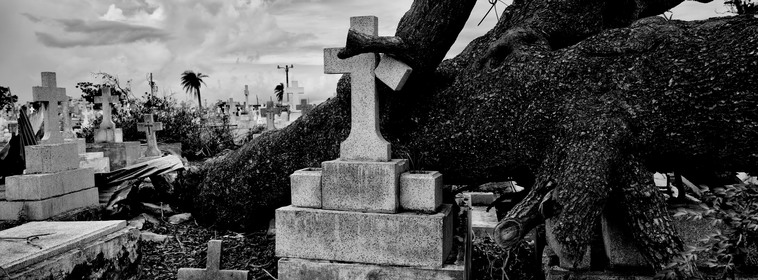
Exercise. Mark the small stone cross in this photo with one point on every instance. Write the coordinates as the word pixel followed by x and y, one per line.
pixel 51 95
pixel 212 267
pixel 106 99
pixel 365 142
pixel 149 127
pixel 270 110
pixel 304 106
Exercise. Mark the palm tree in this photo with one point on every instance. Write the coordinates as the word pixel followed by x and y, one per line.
pixel 192 81
pixel 279 92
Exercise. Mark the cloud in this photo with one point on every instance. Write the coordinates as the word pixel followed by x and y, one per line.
pixel 82 33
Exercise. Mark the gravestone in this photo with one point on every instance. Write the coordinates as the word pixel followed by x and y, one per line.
pixel 109 139
pixel 149 127
pixel 50 95
pixel 52 182
pixel 352 224
pixel 270 111
pixel 68 130
pixel 246 110
pixel 212 267
pixel 69 250
pixel 304 107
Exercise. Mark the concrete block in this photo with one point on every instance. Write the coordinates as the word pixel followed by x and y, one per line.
pixel 362 186
pixel 46 185
pixel 394 73
pixel 421 190
pixel 109 135
pixel 119 155
pixel 480 198
pixel 49 158
pixel 406 239
pixel 81 144
pixel 46 208
pixel 620 247
pixel 95 161
pixel 306 187
pixel 483 222
pixel 60 237
pixel 300 269
pixel 555 273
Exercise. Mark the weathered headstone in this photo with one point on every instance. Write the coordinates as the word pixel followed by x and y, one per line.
pixel 270 111
pixel 212 268
pixel 51 95
pixel 368 235
pixel 149 127
pixel 107 131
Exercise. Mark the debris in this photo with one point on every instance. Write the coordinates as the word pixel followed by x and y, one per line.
pixel 179 218
pixel 153 237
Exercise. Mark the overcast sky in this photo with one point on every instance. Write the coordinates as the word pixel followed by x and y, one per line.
pixel 234 42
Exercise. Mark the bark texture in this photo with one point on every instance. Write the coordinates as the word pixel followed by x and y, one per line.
pixel 578 93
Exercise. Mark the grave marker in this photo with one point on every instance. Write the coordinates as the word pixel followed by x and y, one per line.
pixel 294 89
pixel 149 127
pixel 50 94
pixel 365 142
pixel 304 106
pixel 212 267
pixel 106 99
pixel 270 110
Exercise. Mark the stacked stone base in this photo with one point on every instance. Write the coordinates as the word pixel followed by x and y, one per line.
pixel 54 184
pixel 366 220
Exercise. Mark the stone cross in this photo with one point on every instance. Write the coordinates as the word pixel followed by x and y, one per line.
pixel 270 110
pixel 232 106
pixel 246 100
pixel 304 106
pixel 294 89
pixel 106 99
pixel 212 267
pixel 51 95
pixel 149 127
pixel 365 142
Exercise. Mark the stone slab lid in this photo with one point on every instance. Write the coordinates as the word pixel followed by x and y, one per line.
pixel 63 236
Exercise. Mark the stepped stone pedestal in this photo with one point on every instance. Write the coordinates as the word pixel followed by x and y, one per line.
pixel 54 183
pixel 70 250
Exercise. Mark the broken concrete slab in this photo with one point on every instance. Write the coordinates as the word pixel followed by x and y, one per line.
pixel 53 238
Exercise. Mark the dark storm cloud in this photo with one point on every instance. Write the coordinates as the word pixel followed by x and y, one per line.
pixel 79 32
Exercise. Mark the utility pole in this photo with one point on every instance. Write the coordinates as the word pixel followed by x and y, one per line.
pixel 286 73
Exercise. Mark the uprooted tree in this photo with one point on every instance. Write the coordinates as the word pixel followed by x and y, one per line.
pixel 581 99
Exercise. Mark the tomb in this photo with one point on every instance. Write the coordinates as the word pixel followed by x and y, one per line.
pixel 53 181
pixel 351 219
pixel 109 139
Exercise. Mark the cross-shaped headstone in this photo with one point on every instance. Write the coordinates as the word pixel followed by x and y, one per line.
pixel 50 94
pixel 106 99
pixel 212 267
pixel 232 106
pixel 365 142
pixel 149 127
pixel 304 107
pixel 294 89
pixel 269 111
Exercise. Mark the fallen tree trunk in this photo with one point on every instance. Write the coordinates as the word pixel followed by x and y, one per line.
pixel 559 89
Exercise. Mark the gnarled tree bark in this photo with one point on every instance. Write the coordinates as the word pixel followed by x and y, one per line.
pixel 579 93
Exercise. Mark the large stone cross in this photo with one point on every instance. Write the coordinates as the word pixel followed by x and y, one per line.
pixel 149 127
pixel 304 106
pixel 50 94
pixel 365 142
pixel 106 99
pixel 212 267
pixel 294 90
pixel 270 110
